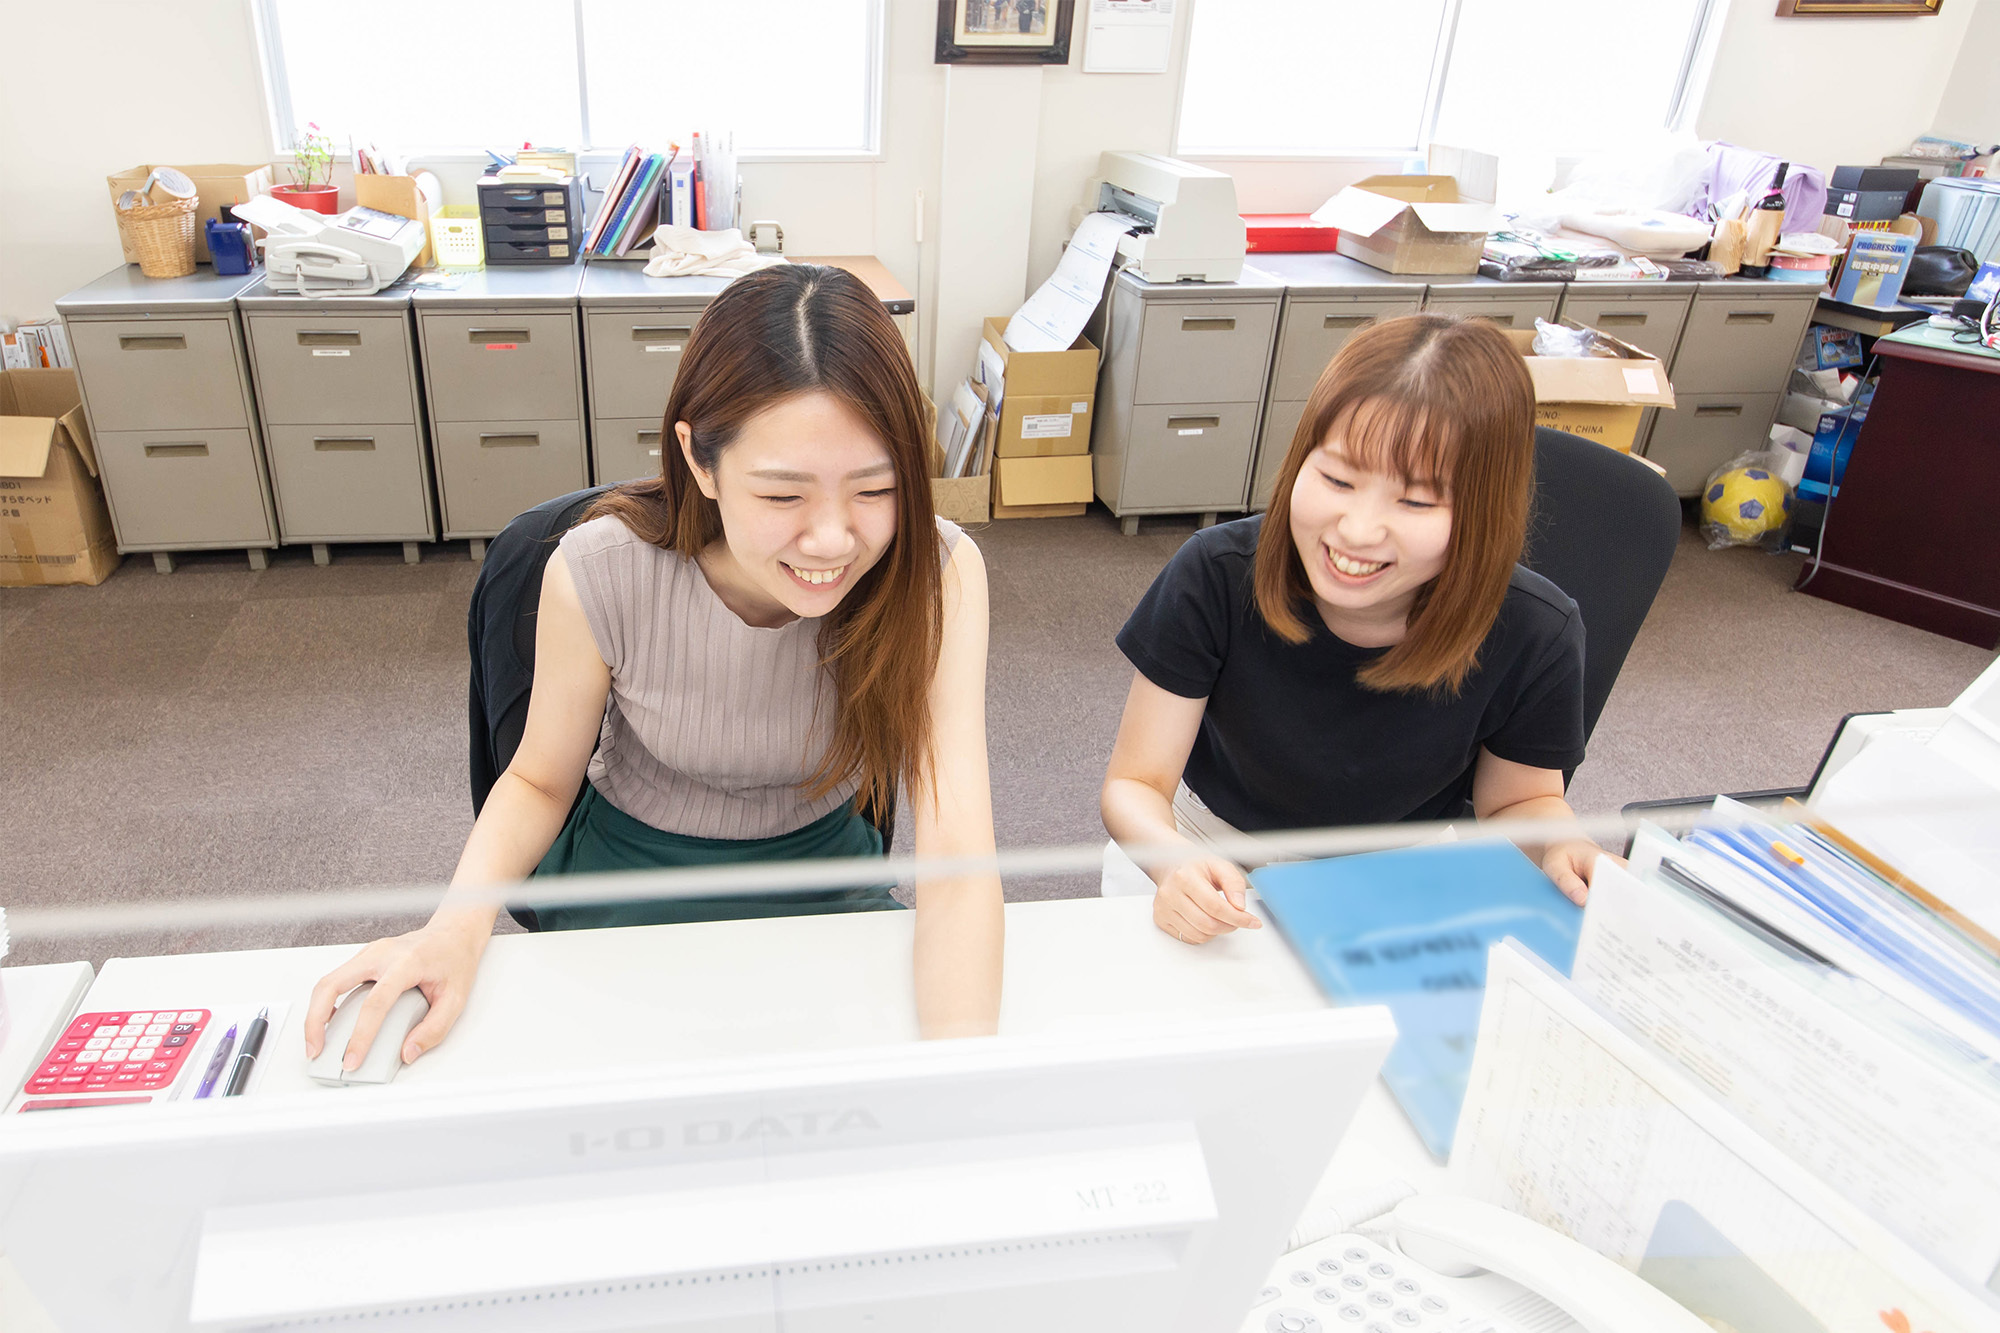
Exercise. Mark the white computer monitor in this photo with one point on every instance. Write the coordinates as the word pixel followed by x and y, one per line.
pixel 1138 1180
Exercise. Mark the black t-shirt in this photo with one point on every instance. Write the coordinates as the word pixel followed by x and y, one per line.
pixel 1290 739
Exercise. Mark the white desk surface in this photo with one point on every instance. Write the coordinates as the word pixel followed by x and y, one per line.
pixel 602 999
pixel 38 1000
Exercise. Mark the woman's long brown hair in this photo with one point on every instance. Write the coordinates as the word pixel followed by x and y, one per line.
pixel 1435 400
pixel 778 332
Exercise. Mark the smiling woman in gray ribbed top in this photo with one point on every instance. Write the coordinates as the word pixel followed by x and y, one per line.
pixel 746 657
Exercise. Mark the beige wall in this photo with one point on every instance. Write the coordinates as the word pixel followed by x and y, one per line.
pixel 1970 107
pixel 1830 91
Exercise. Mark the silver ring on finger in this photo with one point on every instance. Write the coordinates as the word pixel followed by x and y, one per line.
pixel 1177 932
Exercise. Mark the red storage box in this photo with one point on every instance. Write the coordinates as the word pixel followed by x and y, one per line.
pixel 1287 233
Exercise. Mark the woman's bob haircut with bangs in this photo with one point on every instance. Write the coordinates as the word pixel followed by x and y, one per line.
pixel 1440 402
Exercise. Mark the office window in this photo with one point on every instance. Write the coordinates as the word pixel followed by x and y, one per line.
pixel 1326 77
pixel 1308 76
pixel 418 75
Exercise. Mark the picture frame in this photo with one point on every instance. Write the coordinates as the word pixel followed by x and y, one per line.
pixel 1858 8
pixel 1004 32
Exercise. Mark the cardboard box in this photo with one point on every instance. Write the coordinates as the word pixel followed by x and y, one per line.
pixel 218 184
pixel 398 195
pixel 963 500
pixel 1602 398
pixel 53 524
pixel 1409 224
pixel 1046 409
pixel 1058 487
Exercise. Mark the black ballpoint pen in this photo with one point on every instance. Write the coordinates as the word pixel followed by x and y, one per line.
pixel 246 1060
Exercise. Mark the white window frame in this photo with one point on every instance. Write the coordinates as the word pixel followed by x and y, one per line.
pixel 1689 86
pixel 284 128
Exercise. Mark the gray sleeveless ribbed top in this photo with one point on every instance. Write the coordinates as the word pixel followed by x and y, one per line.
pixel 713 726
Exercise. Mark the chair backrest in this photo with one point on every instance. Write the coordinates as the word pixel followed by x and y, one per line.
pixel 1603 529
pixel 500 631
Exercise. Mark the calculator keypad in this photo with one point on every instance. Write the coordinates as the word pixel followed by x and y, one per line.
pixel 119 1053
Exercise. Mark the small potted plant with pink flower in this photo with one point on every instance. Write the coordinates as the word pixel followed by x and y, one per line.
pixel 312 165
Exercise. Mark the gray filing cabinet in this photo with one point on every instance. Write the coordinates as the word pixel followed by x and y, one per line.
pixel 503 374
pixel 1328 299
pixel 1729 373
pixel 1511 305
pixel 343 420
pixel 634 330
pixel 1181 392
pixel 166 388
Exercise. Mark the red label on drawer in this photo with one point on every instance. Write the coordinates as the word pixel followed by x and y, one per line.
pixel 502 347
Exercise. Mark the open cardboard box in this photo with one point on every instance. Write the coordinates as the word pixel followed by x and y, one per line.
pixel 54 527
pixel 1409 224
pixel 216 185
pixel 1602 398
pixel 1046 409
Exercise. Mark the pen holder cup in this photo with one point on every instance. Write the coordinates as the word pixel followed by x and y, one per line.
pixel 162 235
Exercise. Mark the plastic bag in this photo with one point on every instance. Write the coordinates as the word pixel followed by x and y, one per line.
pixel 1746 502
pixel 1560 340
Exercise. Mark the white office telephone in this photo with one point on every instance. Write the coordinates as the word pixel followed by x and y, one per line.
pixel 1458 1266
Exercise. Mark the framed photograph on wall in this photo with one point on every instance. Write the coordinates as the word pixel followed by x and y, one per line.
pixel 1856 8
pixel 1004 32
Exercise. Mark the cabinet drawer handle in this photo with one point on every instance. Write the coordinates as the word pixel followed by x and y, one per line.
pixel 1348 321
pixel 1496 319
pixel 153 342
pixel 329 337
pixel 1720 410
pixel 177 451
pixel 645 333
pixel 334 443
pixel 1750 317
pixel 497 335
pixel 1178 423
pixel 1621 319
pixel 649 437
pixel 513 440
pixel 1207 324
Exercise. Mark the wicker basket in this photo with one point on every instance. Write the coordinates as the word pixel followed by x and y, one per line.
pixel 162 235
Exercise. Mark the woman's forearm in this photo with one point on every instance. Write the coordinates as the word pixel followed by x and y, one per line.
pixel 514 831
pixel 961 929
pixel 1138 814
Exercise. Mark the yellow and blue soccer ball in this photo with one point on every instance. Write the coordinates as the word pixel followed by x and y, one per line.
pixel 1746 503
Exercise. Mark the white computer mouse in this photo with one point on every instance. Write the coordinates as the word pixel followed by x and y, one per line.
pixel 385 1057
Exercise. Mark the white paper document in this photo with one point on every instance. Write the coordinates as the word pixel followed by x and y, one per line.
pixel 1051 319
pixel 1129 37
pixel 1823 1065
pixel 1574 1123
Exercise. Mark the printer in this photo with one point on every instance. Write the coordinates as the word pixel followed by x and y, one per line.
pixel 1192 231
pixel 354 253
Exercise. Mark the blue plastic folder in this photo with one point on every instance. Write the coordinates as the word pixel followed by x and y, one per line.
pixel 1410 928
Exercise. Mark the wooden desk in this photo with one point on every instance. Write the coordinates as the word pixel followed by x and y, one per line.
pixel 1910 533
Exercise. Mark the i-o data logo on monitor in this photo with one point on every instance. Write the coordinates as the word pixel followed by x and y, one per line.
pixel 716 1133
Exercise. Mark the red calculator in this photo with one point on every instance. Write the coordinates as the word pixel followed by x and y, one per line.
pixel 117 1056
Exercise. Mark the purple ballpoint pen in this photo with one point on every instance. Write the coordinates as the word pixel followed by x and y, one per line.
pixel 217 1063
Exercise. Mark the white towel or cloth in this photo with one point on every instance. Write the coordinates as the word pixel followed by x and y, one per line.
pixel 683 252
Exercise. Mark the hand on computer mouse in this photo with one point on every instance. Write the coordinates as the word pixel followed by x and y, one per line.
pixel 441 960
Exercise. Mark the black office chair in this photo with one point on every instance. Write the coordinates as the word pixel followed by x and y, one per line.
pixel 1603 529
pixel 500 632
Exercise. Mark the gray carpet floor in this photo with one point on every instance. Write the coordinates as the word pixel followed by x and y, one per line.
pixel 219 731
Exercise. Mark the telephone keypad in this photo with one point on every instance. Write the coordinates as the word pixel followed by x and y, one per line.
pixel 1360 1286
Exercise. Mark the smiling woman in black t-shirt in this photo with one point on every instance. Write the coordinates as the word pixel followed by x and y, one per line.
pixel 1368 651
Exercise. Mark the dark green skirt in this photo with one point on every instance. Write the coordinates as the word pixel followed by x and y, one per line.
pixel 602 839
